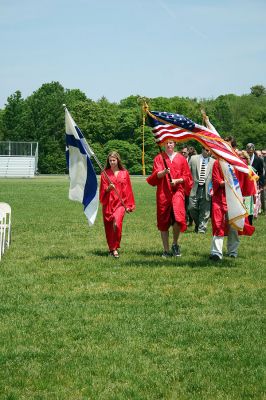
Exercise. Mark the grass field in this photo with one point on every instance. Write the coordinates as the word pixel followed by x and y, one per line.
pixel 76 324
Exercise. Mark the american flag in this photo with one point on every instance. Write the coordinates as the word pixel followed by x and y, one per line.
pixel 180 128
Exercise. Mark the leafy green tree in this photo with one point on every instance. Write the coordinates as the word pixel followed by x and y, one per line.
pixel 107 126
pixel 100 154
pixel 12 116
pixel 1 124
pixel 52 159
pixel 127 122
pixel 150 146
pixel 97 120
pixel 258 90
pixel 74 96
pixel 130 102
pixel 223 115
pixel 130 154
pixel 47 120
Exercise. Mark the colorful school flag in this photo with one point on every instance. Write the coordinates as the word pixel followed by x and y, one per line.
pixel 234 199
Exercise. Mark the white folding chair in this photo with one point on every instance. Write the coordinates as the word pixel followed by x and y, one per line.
pixel 1 232
pixel 6 234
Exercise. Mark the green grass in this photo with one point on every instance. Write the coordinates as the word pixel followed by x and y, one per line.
pixel 76 324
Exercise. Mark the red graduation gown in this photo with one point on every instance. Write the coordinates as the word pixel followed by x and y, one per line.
pixel 171 200
pixel 219 206
pixel 248 185
pixel 111 205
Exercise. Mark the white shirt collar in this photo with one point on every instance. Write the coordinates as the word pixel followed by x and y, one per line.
pixel 172 156
pixel 252 159
pixel 206 160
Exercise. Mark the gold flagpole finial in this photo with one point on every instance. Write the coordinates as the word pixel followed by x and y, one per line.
pixel 203 112
pixel 204 116
pixel 145 106
pixel 144 102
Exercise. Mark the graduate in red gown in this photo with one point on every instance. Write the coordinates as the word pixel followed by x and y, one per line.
pixel 249 188
pixel 172 176
pixel 219 217
pixel 117 197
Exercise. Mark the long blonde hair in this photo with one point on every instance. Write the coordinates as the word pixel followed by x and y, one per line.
pixel 245 156
pixel 116 155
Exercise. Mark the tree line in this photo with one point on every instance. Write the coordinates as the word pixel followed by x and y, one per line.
pixel 118 126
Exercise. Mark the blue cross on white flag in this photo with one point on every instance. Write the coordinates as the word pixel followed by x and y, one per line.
pixel 83 180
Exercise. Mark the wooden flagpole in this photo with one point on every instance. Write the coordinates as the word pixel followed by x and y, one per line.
pixel 109 180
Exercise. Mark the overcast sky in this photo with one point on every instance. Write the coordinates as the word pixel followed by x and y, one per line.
pixel 118 48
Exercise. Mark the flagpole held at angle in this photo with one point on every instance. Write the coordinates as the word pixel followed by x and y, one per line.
pixel 109 180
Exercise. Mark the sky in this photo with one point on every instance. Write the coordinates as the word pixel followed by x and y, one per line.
pixel 118 48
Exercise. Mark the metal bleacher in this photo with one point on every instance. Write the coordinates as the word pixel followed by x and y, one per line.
pixel 18 159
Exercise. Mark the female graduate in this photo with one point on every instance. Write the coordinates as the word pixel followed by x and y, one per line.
pixel 117 197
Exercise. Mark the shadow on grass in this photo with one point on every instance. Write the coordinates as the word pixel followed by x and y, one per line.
pixel 100 253
pixel 156 261
pixel 152 259
pixel 63 257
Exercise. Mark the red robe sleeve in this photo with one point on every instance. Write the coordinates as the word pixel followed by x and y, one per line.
pixel 158 166
pixel 248 186
pixel 103 187
pixel 129 199
pixel 217 177
pixel 187 176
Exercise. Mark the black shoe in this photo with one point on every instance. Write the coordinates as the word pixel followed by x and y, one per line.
pixel 196 229
pixel 214 257
pixel 166 254
pixel 114 253
pixel 176 250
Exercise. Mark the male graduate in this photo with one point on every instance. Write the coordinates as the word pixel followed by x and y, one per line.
pixel 172 176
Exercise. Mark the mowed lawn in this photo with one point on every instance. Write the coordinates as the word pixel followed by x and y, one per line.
pixel 77 324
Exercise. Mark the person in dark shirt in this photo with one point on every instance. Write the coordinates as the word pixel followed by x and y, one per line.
pixel 257 164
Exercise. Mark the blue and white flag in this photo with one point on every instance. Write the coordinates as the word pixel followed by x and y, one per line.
pixel 83 180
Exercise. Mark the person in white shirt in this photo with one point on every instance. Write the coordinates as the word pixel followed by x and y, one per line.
pixel 200 199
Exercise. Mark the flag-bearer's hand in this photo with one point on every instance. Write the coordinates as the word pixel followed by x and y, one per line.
pixel 110 187
pixel 176 181
pixel 164 172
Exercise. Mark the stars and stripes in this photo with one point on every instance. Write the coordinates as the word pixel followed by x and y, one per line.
pixel 180 128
